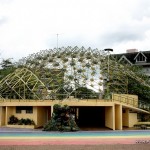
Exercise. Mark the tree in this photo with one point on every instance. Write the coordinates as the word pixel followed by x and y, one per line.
pixel 62 119
pixel 137 88
pixel 6 63
pixel 80 92
pixel 84 92
pixel 142 91
pixel 7 67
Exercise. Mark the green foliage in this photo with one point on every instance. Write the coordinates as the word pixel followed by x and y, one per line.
pixel 137 88
pixel 142 91
pixel 7 67
pixel 62 120
pixel 14 120
pixel 6 63
pixel 80 92
pixel 26 122
pixel 84 92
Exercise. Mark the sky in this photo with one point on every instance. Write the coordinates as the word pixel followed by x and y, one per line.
pixel 28 26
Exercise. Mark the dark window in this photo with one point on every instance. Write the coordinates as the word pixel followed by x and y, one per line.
pixel 138 116
pixel 28 109
pixel 18 110
pixel 141 58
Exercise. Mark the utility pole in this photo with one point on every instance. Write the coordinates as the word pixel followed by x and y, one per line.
pixel 57 40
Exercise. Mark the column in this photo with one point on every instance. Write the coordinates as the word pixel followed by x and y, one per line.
pixel 118 117
pixel 110 117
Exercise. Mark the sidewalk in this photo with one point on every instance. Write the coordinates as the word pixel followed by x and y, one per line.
pixel 78 147
pixel 36 139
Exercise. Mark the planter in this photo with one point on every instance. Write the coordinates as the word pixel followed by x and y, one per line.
pixel 21 126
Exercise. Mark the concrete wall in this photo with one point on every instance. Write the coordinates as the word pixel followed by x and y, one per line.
pixel 125 117
pixel 21 126
pixel 118 117
pixel 126 98
pixel 12 111
pixel 74 102
pixel 110 117
pixel 3 116
pixel 129 119
pixel 132 119
pixel 9 112
pixel 41 116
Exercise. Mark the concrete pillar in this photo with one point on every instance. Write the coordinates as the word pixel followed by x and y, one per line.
pixel 132 119
pixel 113 116
pixel 110 117
pixel 77 113
pixel 1 116
pixel 52 110
pixel 6 116
pixel 118 117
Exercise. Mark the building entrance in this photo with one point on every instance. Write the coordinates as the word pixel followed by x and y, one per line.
pixel 91 117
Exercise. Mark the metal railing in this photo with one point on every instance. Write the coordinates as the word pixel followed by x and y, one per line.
pixel 83 97
pixel 59 97
pixel 132 101
pixel 126 100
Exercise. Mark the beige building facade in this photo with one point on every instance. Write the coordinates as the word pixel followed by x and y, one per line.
pixel 121 111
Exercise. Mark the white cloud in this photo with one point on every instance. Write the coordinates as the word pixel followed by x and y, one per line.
pixel 27 26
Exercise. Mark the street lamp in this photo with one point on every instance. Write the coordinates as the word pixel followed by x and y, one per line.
pixel 108 50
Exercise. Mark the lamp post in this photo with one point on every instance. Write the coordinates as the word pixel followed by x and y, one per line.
pixel 57 41
pixel 108 50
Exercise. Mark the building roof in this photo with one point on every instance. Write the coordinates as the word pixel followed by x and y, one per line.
pixel 132 56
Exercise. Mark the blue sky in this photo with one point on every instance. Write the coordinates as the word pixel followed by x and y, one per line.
pixel 28 26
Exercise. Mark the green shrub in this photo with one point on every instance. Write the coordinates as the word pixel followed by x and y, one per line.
pixel 14 120
pixel 62 120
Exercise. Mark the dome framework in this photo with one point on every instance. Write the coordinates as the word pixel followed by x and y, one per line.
pixel 59 73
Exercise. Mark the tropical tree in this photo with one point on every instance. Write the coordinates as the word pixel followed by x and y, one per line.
pixel 84 92
pixel 6 67
pixel 6 63
pixel 137 88
pixel 63 119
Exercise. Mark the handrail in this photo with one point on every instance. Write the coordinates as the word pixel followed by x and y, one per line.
pixel 126 100
pixel 120 98
pixel 132 101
